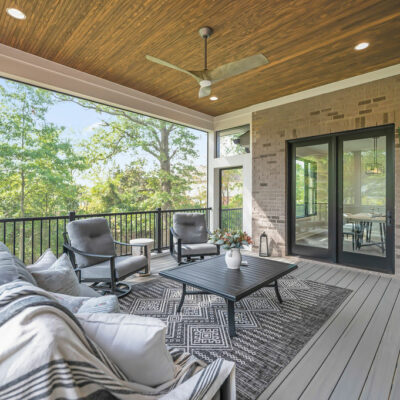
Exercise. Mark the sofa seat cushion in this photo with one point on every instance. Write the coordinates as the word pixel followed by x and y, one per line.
pixel 198 248
pixel 136 344
pixel 59 278
pixel 124 265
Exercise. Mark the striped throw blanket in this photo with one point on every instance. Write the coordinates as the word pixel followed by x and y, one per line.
pixel 45 354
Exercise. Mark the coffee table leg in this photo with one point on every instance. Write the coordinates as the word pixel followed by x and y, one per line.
pixel 231 318
pixel 278 295
pixel 182 298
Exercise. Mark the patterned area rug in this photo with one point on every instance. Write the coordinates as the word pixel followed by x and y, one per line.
pixel 269 334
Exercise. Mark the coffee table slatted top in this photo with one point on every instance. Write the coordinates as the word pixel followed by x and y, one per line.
pixel 213 276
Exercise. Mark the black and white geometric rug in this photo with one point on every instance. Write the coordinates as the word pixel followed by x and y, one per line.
pixel 269 334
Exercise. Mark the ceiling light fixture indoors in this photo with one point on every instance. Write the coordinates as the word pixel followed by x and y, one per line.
pixel 213 98
pixel 15 13
pixel 361 46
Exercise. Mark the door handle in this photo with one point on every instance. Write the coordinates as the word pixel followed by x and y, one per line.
pixel 389 219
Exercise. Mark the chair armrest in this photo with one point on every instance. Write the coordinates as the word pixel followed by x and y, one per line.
pixel 84 253
pixel 129 244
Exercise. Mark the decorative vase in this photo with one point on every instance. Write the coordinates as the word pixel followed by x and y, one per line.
pixel 233 258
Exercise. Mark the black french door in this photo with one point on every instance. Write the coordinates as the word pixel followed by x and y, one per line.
pixel 341 198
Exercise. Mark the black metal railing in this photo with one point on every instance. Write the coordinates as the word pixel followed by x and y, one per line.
pixel 29 237
pixel 232 219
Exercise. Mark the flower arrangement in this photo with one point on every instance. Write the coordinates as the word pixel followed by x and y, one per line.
pixel 230 240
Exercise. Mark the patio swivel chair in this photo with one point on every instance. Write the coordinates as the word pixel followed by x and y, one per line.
pixel 189 237
pixel 91 248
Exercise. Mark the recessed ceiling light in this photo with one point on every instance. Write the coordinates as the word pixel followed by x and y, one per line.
pixel 15 13
pixel 361 46
pixel 213 98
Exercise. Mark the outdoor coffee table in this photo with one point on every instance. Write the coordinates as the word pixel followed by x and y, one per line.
pixel 213 277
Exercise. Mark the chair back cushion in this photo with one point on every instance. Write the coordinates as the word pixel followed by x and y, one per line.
pixel 90 235
pixel 191 227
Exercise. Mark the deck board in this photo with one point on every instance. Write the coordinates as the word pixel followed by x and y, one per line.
pixel 355 354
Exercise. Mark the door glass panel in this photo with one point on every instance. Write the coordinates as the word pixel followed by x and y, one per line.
pixel 312 195
pixel 231 199
pixel 364 196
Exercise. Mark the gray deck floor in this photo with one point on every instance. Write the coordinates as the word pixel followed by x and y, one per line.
pixel 355 354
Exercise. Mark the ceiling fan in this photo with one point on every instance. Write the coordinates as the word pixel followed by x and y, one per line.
pixel 207 77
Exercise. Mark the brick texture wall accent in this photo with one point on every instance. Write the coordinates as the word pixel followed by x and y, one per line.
pixel 371 104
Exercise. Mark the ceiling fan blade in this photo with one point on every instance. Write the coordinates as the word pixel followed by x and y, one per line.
pixel 204 91
pixel 169 65
pixel 237 67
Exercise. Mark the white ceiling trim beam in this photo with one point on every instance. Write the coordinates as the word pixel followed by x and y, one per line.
pixel 235 117
pixel 28 68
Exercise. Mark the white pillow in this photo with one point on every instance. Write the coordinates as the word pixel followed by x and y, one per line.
pixel 59 278
pixel 45 261
pixel 136 344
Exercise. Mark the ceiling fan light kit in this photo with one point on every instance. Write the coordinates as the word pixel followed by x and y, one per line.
pixel 207 77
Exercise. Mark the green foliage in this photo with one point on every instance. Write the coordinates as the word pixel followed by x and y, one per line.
pixel 230 240
pixel 36 166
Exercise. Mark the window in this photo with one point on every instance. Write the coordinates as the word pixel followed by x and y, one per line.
pixel 306 188
pixel 233 141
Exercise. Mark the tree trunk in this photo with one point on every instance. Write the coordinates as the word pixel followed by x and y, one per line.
pixel 165 165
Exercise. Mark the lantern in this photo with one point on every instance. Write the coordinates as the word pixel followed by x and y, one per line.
pixel 263 245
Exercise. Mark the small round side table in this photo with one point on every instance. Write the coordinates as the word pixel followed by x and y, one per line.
pixel 147 243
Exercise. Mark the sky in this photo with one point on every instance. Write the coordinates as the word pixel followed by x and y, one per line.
pixel 80 123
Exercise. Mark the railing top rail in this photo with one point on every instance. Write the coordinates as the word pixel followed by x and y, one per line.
pixel 62 217
pixel 231 209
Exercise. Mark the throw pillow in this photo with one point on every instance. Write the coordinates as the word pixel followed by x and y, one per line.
pixel 87 291
pixel 136 344
pixel 59 278
pixel 104 304
pixel 45 261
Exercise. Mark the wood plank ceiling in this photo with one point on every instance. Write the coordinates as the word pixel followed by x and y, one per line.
pixel 308 43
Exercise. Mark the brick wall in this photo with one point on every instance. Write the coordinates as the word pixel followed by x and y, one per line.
pixel 371 104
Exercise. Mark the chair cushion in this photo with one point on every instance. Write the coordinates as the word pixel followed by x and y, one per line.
pixel 124 265
pixel 136 344
pixel 198 248
pixel 91 235
pixel 191 227
pixel 59 278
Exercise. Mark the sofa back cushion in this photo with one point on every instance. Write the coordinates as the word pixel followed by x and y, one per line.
pixel 11 267
pixel 191 227
pixel 8 271
pixel 91 235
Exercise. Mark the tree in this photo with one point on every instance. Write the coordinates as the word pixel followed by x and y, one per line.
pixel 171 146
pixel 36 165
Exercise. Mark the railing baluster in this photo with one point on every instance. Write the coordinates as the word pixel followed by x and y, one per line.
pixel 57 238
pixel 41 236
pixel 33 241
pixel 14 238
pixel 49 232
pixel 23 241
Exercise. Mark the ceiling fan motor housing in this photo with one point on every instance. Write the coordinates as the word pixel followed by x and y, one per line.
pixel 205 32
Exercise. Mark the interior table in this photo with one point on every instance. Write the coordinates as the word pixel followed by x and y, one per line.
pixel 213 277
